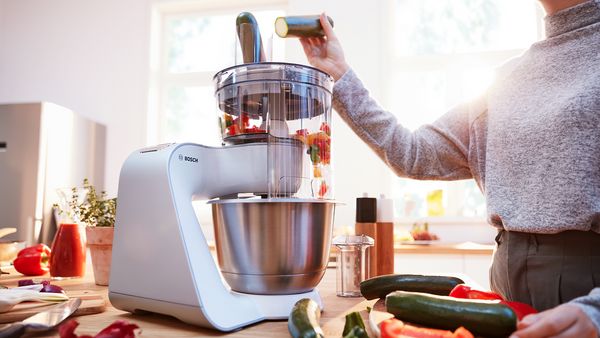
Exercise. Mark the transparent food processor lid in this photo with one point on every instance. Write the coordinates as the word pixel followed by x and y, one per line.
pixel 287 107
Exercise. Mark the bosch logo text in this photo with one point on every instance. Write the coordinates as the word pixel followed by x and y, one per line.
pixel 190 159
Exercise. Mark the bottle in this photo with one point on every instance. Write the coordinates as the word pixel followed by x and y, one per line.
pixel 67 257
pixel 385 236
pixel 366 218
pixel 299 26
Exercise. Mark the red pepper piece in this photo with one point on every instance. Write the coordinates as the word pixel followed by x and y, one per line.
pixel 520 309
pixel 394 328
pixel 302 132
pixel 233 130
pixel 323 189
pixel 461 332
pixel 325 127
pixel 33 261
pixel 118 329
pixel 391 328
pixel 464 291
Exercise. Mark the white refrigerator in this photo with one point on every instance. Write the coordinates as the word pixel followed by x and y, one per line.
pixel 44 147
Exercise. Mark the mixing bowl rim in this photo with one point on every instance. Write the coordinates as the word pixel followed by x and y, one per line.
pixel 273 200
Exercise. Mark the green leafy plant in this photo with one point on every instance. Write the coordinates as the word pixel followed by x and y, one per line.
pixel 85 205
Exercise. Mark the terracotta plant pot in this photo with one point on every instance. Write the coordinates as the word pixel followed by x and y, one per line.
pixel 99 240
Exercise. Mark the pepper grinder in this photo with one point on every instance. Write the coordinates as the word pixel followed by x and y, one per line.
pixel 385 236
pixel 366 218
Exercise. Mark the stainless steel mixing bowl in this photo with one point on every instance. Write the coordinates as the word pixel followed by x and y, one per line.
pixel 273 246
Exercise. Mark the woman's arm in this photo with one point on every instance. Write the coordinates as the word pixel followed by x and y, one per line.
pixel 436 151
pixel 440 150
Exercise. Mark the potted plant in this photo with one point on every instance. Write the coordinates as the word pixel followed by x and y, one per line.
pixel 97 212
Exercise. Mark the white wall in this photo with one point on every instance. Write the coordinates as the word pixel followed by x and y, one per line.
pixel 93 57
pixel 89 56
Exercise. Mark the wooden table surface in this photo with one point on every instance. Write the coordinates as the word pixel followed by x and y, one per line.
pixel 153 325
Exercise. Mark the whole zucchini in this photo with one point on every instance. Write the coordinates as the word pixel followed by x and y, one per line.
pixel 487 318
pixel 304 320
pixel 379 287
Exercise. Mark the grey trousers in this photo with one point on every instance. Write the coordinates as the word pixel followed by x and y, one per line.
pixel 545 270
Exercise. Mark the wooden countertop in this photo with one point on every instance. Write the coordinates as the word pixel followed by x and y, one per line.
pixel 153 325
pixel 467 248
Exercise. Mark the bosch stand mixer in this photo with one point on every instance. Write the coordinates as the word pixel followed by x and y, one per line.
pixel 269 187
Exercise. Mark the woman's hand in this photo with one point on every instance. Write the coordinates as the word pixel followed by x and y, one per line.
pixel 325 53
pixel 566 320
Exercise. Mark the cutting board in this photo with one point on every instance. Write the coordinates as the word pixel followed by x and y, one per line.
pixel 90 303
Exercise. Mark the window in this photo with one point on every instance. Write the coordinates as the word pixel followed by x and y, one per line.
pixel 442 52
pixel 192 45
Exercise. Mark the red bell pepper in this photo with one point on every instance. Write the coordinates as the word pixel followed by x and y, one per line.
pixel 394 328
pixel 33 260
pixel 463 291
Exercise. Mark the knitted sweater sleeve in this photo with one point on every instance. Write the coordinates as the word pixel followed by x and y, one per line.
pixel 437 151
pixel 590 304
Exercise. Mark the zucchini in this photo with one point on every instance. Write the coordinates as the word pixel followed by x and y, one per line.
pixel 379 287
pixel 353 320
pixel 304 319
pixel 357 332
pixel 299 26
pixel 487 318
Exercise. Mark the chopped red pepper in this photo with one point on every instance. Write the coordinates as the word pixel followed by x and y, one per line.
pixel 520 309
pixel 463 291
pixel 233 130
pixel 302 132
pixel 118 329
pixel 394 328
pixel 391 328
pixel 325 127
pixel 33 261
pixel 323 189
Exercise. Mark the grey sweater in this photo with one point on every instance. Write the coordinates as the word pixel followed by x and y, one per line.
pixel 531 142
